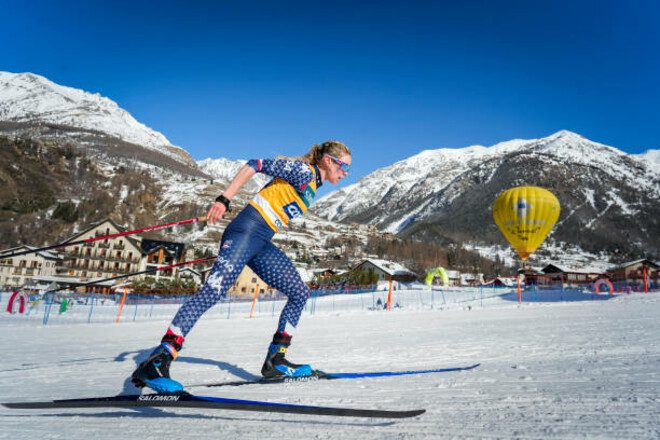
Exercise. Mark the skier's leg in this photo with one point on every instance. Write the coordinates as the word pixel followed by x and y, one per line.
pixel 235 250
pixel 274 267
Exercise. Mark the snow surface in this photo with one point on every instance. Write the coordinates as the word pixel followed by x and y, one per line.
pixel 581 369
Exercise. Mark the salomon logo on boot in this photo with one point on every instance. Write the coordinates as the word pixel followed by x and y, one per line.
pixel 155 371
pixel 276 364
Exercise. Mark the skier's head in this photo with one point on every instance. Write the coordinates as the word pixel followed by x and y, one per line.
pixel 333 159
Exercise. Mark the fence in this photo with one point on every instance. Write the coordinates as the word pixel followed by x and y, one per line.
pixel 93 308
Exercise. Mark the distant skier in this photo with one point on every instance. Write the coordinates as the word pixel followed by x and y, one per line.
pixel 247 241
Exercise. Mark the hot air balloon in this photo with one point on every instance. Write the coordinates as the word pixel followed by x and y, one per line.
pixel 525 215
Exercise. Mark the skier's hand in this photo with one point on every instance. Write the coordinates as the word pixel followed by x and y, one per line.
pixel 216 211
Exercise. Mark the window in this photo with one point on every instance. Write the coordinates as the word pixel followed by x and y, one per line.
pixel 254 280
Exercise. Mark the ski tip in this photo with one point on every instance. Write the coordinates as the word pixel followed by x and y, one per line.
pixel 416 412
pixel 23 405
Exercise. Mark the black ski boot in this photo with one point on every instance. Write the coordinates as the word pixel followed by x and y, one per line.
pixel 276 364
pixel 155 371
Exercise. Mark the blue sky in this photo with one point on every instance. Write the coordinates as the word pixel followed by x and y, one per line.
pixel 388 78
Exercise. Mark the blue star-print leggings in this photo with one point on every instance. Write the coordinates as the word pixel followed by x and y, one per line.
pixel 246 241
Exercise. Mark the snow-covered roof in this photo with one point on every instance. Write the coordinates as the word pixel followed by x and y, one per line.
pixel 568 269
pixel 45 254
pixel 389 267
pixel 632 263
pixel 133 240
pixel 70 280
pixel 188 269
pixel 504 280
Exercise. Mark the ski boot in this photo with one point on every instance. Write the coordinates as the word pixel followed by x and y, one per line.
pixel 276 365
pixel 155 371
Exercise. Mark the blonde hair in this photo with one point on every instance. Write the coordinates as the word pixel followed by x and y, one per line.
pixel 332 148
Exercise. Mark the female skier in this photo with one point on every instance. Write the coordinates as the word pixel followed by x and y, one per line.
pixel 247 241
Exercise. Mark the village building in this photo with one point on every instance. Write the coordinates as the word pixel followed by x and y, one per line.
pixel 105 258
pixel 17 271
pixel 553 274
pixel 190 274
pixel 323 275
pixel 248 283
pixel 500 282
pixel 61 283
pixel 633 272
pixel 386 270
pixel 158 254
pixel 471 279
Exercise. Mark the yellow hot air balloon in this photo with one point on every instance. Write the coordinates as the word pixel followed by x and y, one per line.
pixel 525 215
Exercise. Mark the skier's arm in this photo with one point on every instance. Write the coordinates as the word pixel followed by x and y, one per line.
pixel 296 172
pixel 218 209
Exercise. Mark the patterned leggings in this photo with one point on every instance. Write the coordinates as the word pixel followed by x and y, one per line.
pixel 246 242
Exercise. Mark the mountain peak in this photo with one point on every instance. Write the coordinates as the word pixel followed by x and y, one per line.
pixel 566 134
pixel 31 98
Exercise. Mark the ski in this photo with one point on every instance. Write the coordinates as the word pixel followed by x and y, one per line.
pixel 320 375
pixel 186 400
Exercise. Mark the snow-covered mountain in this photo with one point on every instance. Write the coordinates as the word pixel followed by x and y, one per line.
pixel 51 134
pixel 225 169
pixel 447 193
pixel 64 148
pixel 31 100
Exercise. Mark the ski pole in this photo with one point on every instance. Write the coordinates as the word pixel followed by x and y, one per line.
pixel 103 237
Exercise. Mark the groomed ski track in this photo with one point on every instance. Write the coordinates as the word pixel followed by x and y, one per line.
pixel 548 370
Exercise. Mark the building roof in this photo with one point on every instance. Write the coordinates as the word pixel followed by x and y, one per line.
pixel 642 260
pixel 174 248
pixel 389 267
pixel 567 269
pixel 189 269
pixel 74 281
pixel 49 255
pixel 507 281
pixel 93 226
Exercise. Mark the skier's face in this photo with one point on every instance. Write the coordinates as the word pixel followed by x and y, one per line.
pixel 337 167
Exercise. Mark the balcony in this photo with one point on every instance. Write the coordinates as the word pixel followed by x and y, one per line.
pixel 119 247
pixel 104 245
